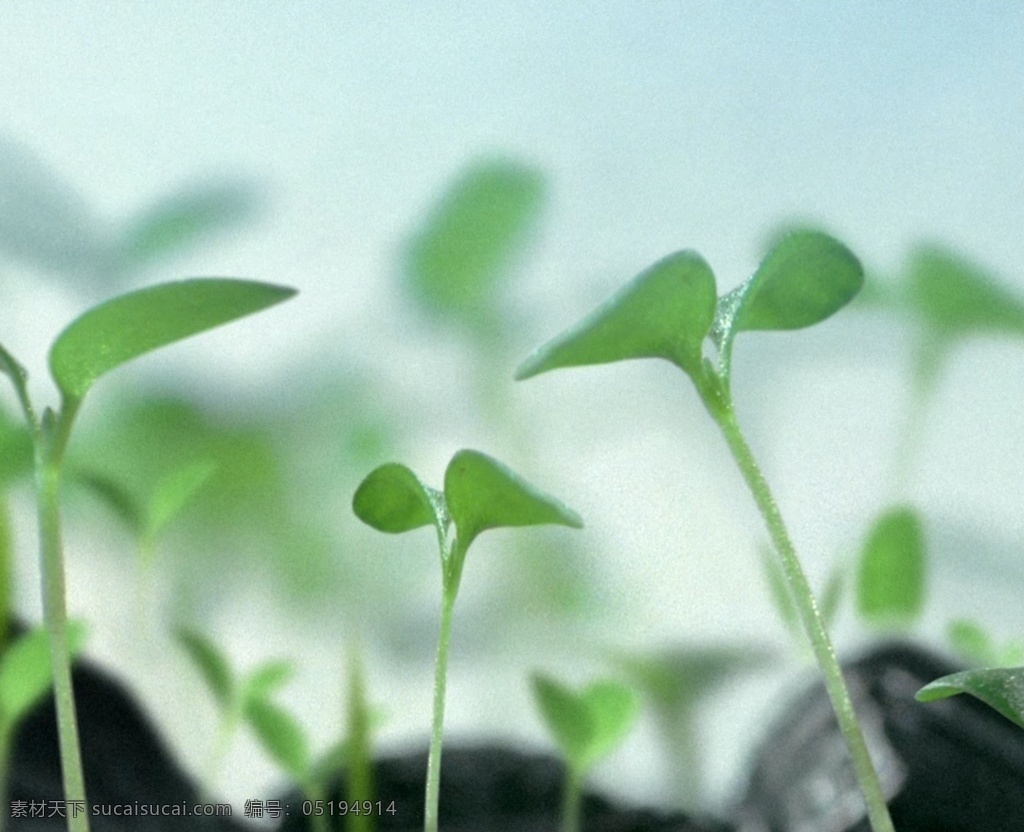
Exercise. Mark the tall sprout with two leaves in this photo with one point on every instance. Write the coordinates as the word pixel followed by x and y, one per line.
pixel 97 342
pixel 479 493
pixel 671 311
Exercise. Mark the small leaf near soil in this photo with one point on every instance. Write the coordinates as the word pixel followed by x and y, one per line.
pixel 589 724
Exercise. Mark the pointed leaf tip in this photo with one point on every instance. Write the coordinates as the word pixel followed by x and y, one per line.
pixel 1001 688
pixel 665 312
pixel 392 499
pixel 133 324
pixel 482 494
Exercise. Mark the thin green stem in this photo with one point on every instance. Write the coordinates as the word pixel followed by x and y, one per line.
pixel 810 615
pixel 572 801
pixel 430 814
pixel 55 615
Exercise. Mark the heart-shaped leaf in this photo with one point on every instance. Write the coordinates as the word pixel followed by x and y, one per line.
pixel 587 725
pixel 281 736
pixel 212 664
pixel 481 494
pixel 665 312
pixel 130 325
pixel 456 261
pixel 956 297
pixel 891 575
pixel 392 499
pixel 26 672
pixel 1001 688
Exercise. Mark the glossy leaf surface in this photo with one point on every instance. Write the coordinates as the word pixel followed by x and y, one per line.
pixel 459 258
pixel 586 725
pixel 665 312
pixel 212 664
pixel 482 493
pixel 392 499
pixel 891 574
pixel 1001 688
pixel 131 325
pixel 806 277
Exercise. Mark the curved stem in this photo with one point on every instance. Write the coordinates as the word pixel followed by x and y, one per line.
pixel 810 616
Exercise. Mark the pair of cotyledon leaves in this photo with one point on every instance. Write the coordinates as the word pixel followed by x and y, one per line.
pixel 586 724
pixel 480 493
pixel 670 309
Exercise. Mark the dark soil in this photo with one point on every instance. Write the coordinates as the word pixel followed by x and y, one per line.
pixel 950 766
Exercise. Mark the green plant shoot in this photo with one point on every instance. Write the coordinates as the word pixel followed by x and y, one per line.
pixel 586 726
pixel 479 493
pixel 97 342
pixel 671 311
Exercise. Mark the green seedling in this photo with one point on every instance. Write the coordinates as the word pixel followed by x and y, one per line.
pixel 586 726
pixel 829 599
pixel 25 678
pixel 674 683
pixel 479 493
pixel 249 700
pixel 149 518
pixel 671 311
pixel 102 339
pixel 1001 688
pixel 950 300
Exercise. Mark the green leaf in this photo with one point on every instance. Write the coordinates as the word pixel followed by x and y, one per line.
pixel 481 494
pixel 971 641
pixel 807 277
pixel 665 312
pixel 458 259
pixel 891 575
pixel 15 450
pixel 25 670
pixel 587 725
pixel 281 736
pixel 957 298
pixel 392 499
pixel 1000 688
pixel 175 491
pixel 130 325
pixel 115 495
pixel 177 222
pixel 265 680
pixel 212 664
